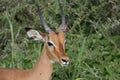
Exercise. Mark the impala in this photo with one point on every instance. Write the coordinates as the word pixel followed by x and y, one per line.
pixel 53 51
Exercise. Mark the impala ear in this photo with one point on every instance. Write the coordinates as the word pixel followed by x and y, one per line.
pixel 36 35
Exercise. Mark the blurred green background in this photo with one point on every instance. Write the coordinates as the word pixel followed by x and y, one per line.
pixel 93 36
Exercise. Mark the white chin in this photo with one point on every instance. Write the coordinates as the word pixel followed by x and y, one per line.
pixel 64 65
pixel 52 61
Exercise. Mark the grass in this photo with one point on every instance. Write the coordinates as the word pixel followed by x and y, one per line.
pixel 93 37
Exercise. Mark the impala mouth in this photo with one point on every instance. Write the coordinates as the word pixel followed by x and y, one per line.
pixel 63 65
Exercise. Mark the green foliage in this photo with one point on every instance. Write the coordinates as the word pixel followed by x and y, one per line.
pixel 93 37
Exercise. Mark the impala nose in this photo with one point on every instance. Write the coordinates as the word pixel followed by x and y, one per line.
pixel 65 61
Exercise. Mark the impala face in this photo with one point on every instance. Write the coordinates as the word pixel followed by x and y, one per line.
pixel 54 45
pixel 56 48
pixel 54 41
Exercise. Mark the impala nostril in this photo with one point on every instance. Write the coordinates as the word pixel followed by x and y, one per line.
pixel 63 60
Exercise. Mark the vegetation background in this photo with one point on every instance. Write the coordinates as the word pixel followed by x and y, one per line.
pixel 93 36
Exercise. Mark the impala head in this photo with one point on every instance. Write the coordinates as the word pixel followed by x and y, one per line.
pixel 54 41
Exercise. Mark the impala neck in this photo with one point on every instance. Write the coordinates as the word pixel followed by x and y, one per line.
pixel 43 67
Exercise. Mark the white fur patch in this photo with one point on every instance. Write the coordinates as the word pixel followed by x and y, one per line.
pixel 52 61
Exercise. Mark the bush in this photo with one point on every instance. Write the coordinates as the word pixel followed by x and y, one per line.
pixel 93 36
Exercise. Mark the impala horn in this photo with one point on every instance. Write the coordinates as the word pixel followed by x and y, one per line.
pixel 63 24
pixel 47 29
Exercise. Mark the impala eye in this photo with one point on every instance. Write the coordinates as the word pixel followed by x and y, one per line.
pixel 50 44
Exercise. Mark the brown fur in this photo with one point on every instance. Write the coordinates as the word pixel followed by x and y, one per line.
pixel 43 68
